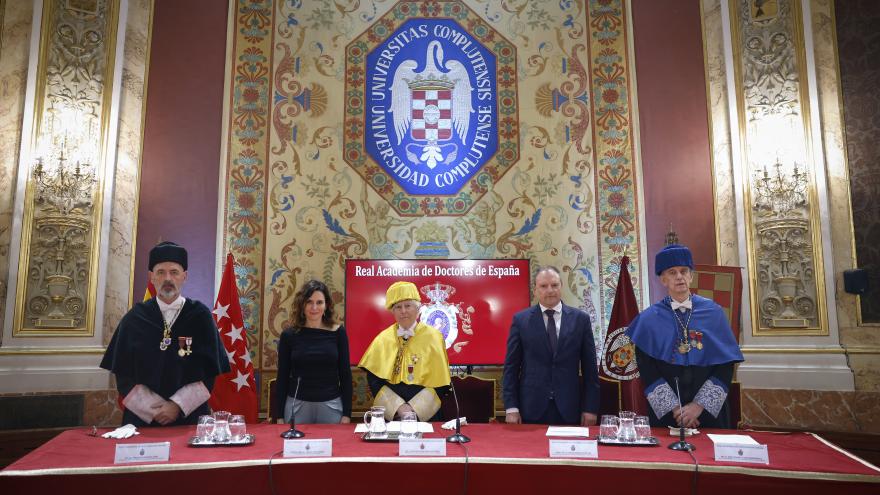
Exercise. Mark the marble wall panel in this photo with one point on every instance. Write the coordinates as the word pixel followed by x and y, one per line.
pixel 101 409
pixel 14 49
pixel 812 410
pixel 720 133
pixel 866 371
pixel 128 158
pixel 831 115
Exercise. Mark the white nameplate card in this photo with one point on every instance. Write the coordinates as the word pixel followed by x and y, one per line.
pixel 585 449
pixel 142 452
pixel 393 426
pixel 568 431
pixel 315 447
pixel 733 452
pixel 739 448
pixel 433 447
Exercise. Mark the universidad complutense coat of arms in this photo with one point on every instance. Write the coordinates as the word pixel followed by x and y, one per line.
pixel 445 316
pixel 619 359
pixel 431 107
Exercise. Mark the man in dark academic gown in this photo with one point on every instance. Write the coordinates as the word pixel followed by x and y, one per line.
pixel 686 337
pixel 406 364
pixel 166 352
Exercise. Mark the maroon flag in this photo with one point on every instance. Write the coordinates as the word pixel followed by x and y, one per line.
pixel 619 353
pixel 235 391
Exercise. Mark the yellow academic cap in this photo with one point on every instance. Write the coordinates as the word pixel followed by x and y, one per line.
pixel 401 291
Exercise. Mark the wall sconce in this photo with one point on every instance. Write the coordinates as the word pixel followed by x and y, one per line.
pixel 781 194
pixel 62 189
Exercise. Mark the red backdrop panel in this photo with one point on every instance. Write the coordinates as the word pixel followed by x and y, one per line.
pixel 472 302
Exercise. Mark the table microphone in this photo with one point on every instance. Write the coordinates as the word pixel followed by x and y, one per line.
pixel 293 432
pixel 681 444
pixel 457 437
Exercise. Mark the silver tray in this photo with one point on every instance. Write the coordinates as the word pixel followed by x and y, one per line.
pixel 391 436
pixel 248 439
pixel 648 442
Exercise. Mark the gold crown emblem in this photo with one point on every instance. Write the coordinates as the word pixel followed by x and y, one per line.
pixel 430 82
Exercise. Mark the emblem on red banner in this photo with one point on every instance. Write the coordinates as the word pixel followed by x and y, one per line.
pixel 445 316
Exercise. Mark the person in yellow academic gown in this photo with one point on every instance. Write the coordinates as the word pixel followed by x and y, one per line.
pixel 406 364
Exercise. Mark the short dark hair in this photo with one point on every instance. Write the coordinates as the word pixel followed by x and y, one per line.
pixel 303 295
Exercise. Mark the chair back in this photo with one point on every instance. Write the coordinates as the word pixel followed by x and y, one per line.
pixel 270 396
pixel 476 399
pixel 609 396
pixel 734 399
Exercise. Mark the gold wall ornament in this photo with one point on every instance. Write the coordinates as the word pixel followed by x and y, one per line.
pixel 782 220
pixel 785 269
pixel 58 264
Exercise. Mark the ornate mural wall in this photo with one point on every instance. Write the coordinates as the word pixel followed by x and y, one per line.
pixel 303 194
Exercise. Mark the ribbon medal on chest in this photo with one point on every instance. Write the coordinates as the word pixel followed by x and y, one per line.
pixel 411 366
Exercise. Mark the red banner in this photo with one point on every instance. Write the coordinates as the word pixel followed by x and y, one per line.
pixel 619 356
pixel 471 302
pixel 235 391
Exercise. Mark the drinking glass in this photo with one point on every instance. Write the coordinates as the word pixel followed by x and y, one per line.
pixel 643 428
pixel 409 424
pixel 221 426
pixel 608 427
pixel 205 428
pixel 237 427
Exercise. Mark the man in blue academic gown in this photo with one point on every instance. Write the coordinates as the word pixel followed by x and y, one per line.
pixel 549 347
pixel 684 337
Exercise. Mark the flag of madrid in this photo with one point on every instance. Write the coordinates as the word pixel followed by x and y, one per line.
pixel 235 391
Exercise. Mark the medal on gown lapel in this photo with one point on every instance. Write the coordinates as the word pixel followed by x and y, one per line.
pixel 410 368
pixel 187 341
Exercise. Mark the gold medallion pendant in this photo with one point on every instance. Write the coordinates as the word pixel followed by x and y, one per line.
pixel 684 347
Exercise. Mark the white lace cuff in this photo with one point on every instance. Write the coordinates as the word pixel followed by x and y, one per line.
pixel 662 399
pixel 711 396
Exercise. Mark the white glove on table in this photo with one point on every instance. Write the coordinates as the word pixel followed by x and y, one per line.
pixel 450 425
pixel 126 431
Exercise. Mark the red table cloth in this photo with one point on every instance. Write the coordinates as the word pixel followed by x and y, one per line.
pixel 500 459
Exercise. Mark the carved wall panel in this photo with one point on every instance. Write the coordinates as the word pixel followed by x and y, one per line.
pixel 61 227
pixel 785 252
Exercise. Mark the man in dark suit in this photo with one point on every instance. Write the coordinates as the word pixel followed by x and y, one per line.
pixel 547 346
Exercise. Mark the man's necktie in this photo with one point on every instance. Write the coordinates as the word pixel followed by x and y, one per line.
pixel 551 329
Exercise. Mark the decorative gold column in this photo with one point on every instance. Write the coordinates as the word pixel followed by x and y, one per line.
pixel 780 197
pixel 61 228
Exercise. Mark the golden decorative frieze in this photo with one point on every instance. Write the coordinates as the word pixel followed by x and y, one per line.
pixel 57 280
pixel 782 217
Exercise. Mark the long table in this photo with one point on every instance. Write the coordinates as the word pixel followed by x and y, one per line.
pixel 500 459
